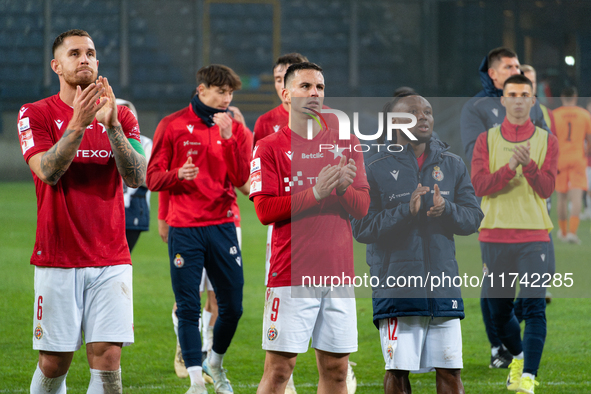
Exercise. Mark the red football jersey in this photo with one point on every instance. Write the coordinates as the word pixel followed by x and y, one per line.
pixel 270 122
pixel 318 242
pixel 80 220
pixel 208 199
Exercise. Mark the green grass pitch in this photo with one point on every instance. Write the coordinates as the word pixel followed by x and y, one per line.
pixel 147 365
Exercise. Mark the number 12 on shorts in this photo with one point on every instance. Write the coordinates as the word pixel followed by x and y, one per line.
pixel 392 326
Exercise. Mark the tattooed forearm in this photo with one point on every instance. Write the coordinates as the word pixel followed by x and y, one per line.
pixel 130 164
pixel 58 158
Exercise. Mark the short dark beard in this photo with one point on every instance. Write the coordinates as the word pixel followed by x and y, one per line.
pixel 423 139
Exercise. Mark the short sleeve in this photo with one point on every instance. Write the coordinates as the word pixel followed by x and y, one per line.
pixel 33 132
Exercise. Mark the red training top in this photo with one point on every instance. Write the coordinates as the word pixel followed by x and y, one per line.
pixel 207 200
pixel 270 122
pixel 80 220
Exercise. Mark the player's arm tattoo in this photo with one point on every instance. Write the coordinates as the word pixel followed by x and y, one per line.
pixel 130 164
pixel 58 158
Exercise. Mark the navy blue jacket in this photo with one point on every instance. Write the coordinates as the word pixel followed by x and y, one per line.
pixel 400 244
pixel 484 111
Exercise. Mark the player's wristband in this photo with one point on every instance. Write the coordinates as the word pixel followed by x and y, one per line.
pixel 316 195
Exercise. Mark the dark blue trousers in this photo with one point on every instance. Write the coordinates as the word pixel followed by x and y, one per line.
pixel 489 324
pixel 529 259
pixel 215 248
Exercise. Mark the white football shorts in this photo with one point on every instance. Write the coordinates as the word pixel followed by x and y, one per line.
pixel 420 344
pixel 268 253
pixel 289 323
pixel 69 301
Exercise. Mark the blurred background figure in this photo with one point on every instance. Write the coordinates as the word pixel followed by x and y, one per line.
pixel 137 200
pixel 573 129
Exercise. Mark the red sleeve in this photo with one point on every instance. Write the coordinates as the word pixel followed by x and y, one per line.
pixel 543 180
pixel 33 131
pixel 484 182
pixel 159 175
pixel 163 200
pixel 128 122
pixel 237 151
pixel 272 209
pixel 356 202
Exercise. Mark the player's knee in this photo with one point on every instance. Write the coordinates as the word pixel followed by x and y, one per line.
pixel 334 369
pixel 191 314
pixel 231 312
pixel 449 374
pixel 106 356
pixel 279 372
pixel 54 365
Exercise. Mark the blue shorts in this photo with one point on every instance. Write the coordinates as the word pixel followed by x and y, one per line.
pixel 216 248
pixel 503 260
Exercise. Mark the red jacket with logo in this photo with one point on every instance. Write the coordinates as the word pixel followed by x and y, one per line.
pixel 207 200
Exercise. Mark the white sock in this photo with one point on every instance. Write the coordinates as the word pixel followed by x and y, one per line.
pixel 209 336
pixel 105 382
pixel 528 375
pixel 290 382
pixel 175 323
pixel 41 384
pixel 494 351
pixel 519 356
pixel 196 375
pixel 205 319
pixel 215 359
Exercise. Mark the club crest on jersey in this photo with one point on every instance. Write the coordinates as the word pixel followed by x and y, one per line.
pixel 272 333
pixel 437 174
pixel 178 261
pixel 190 128
pixel 38 332
pixel 276 128
pixel 390 351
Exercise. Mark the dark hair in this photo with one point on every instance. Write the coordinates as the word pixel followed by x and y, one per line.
pixel 59 40
pixel 289 59
pixel 404 91
pixel 497 54
pixel 290 73
pixel 518 79
pixel 218 75
pixel 388 107
pixel 569 91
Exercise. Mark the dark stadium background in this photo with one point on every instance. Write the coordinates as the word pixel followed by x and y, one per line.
pixel 150 50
